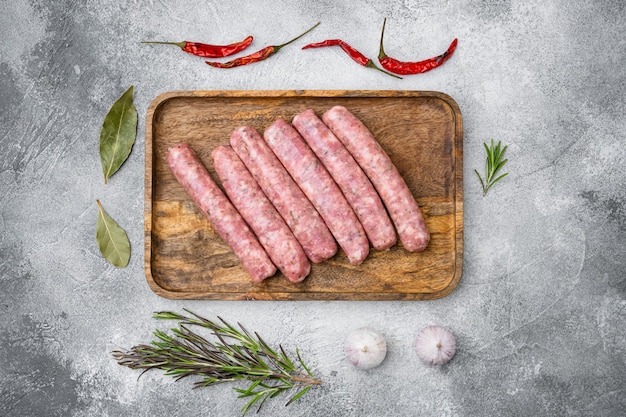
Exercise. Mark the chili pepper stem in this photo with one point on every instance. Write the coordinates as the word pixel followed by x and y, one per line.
pixel 277 47
pixel 381 50
pixel 371 64
pixel 179 44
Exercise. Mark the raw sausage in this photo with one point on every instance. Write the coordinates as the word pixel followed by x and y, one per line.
pixel 390 185
pixel 293 206
pixel 246 195
pixel 215 206
pixel 350 178
pixel 319 187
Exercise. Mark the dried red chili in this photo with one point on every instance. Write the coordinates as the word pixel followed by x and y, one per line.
pixel 407 68
pixel 351 51
pixel 259 55
pixel 206 50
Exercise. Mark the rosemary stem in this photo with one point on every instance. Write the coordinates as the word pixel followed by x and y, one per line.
pixel 306 380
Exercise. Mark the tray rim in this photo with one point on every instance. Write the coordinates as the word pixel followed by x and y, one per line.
pixel 300 296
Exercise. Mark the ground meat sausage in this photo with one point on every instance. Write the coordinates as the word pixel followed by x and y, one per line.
pixel 272 231
pixel 215 206
pixel 290 202
pixel 350 178
pixel 319 187
pixel 390 185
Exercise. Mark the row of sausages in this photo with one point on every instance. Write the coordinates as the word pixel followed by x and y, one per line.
pixel 301 191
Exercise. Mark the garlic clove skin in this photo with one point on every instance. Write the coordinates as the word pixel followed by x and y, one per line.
pixel 365 348
pixel 435 345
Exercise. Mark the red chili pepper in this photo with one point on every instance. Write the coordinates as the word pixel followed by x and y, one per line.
pixel 209 51
pixel 352 53
pixel 407 68
pixel 259 55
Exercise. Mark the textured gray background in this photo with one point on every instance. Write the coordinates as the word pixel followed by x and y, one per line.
pixel 539 314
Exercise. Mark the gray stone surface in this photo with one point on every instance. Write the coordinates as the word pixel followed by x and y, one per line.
pixel 540 313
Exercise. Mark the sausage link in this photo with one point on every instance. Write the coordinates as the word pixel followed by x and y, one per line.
pixel 392 188
pixel 215 206
pixel 246 195
pixel 319 187
pixel 293 206
pixel 350 178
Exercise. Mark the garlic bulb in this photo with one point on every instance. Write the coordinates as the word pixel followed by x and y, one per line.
pixel 435 345
pixel 365 348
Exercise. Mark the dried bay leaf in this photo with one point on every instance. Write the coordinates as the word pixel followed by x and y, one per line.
pixel 112 239
pixel 118 133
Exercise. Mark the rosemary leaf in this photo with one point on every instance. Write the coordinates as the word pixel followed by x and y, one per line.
pixel 298 395
pixel 302 363
pixel 494 163
pixel 256 396
pixel 236 355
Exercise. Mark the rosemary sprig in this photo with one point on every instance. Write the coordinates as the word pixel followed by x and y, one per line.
pixel 493 165
pixel 235 355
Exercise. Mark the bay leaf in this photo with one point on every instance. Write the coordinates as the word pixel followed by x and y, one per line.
pixel 112 239
pixel 118 134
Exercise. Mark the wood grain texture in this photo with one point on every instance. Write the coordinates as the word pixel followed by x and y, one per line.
pixel 421 131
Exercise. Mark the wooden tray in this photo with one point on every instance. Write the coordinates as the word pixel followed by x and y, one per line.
pixel 422 132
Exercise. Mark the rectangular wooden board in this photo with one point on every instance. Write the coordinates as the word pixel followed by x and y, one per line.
pixel 421 131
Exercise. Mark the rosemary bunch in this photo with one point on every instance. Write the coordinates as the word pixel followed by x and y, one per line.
pixel 235 355
pixel 493 165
